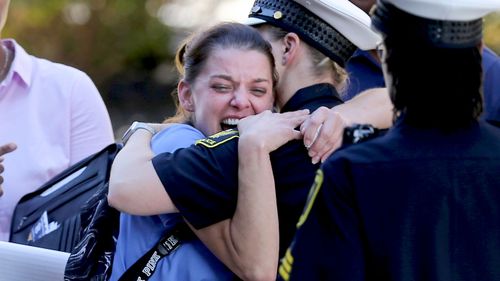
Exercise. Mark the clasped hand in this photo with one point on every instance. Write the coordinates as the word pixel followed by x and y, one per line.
pixel 321 131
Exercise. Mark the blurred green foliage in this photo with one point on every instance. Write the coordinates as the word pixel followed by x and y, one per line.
pixel 102 37
pixel 492 32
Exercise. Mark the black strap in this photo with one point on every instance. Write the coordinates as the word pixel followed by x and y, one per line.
pixel 144 267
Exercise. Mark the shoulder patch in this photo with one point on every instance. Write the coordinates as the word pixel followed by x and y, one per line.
pixel 219 138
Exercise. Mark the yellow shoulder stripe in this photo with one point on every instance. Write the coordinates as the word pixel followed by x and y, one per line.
pixel 286 265
pixel 313 192
pixel 218 139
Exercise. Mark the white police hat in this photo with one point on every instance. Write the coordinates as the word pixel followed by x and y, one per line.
pixel 334 27
pixel 436 23
pixel 447 10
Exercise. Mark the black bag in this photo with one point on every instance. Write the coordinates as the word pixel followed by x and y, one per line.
pixel 92 257
pixel 60 201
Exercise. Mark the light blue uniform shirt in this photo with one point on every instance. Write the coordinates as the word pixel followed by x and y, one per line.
pixel 192 261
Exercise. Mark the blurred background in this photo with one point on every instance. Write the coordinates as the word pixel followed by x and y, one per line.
pixel 127 46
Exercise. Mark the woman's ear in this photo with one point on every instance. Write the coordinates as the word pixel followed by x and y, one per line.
pixel 291 43
pixel 185 96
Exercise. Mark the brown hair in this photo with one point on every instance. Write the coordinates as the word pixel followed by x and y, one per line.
pixel 193 53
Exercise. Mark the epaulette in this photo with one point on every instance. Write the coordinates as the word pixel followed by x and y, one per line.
pixel 219 138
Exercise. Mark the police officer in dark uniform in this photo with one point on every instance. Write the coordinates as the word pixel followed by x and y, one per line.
pixel 421 202
pixel 202 180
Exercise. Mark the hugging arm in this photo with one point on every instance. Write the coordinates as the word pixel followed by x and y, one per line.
pixel 248 243
pixel 134 186
pixel 323 131
pixel 203 181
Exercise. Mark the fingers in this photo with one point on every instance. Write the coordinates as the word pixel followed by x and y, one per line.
pixel 297 118
pixel 330 139
pixel 312 126
pixel 287 122
pixel 271 130
pixel 329 152
pixel 315 137
pixel 329 135
pixel 297 113
pixel 6 148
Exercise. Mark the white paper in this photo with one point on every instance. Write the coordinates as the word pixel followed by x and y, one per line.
pixel 25 263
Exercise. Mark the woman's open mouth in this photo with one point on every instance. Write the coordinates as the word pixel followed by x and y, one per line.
pixel 229 123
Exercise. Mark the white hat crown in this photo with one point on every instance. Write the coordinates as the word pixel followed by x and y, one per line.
pixel 436 23
pixel 448 10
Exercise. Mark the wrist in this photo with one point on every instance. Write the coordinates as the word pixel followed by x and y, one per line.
pixel 252 144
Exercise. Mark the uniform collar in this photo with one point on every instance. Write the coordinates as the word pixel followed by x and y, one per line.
pixel 22 63
pixel 311 94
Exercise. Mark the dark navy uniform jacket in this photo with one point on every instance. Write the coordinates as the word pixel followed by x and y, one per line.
pixel 202 180
pixel 365 72
pixel 491 71
pixel 411 205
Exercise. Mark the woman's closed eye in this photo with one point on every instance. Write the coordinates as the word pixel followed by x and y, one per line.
pixel 222 88
pixel 258 91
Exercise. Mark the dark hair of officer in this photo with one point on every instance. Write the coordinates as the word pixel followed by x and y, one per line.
pixel 193 53
pixel 435 84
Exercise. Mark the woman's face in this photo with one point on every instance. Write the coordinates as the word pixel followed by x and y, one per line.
pixel 233 84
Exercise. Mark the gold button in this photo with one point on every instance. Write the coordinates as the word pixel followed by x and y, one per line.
pixel 278 15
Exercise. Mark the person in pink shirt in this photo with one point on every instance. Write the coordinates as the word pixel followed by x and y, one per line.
pixel 52 112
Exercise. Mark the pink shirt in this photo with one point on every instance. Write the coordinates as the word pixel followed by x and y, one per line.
pixel 55 115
